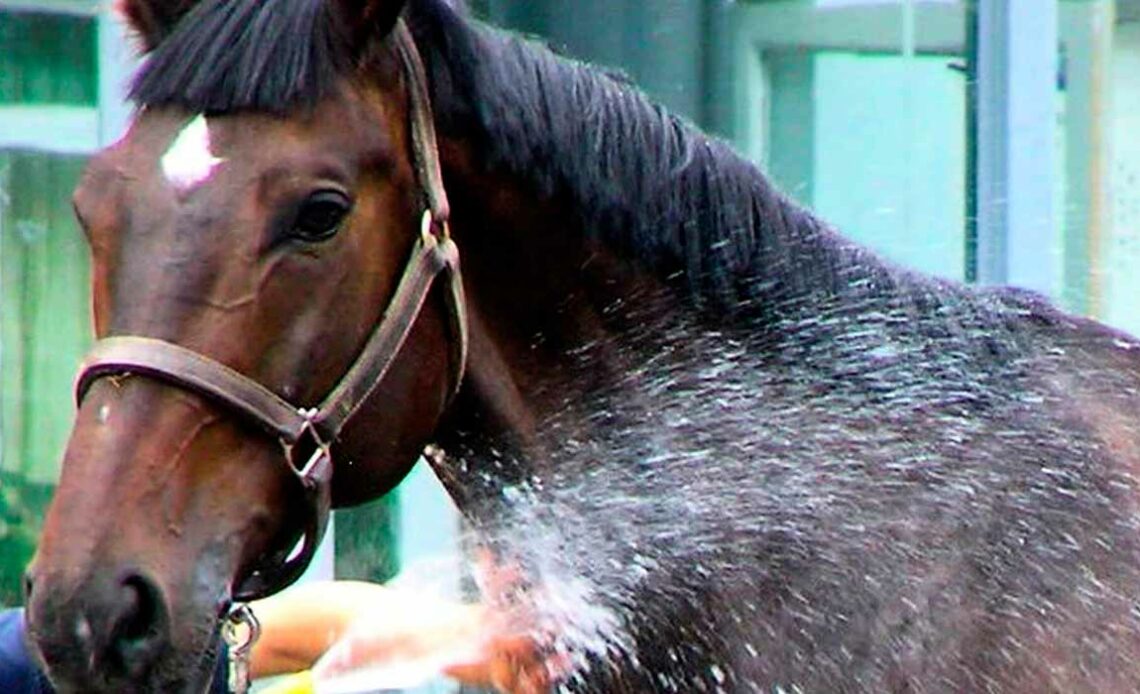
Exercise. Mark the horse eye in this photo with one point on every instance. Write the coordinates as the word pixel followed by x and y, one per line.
pixel 320 215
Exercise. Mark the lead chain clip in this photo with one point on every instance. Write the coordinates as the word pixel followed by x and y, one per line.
pixel 240 631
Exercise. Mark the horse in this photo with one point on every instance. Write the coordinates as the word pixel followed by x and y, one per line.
pixel 338 231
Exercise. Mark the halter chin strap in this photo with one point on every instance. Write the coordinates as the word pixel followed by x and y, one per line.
pixel 307 434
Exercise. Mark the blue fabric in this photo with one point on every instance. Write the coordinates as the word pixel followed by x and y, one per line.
pixel 18 672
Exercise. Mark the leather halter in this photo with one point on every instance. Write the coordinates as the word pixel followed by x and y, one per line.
pixel 312 431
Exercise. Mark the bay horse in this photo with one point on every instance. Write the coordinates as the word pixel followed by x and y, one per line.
pixel 774 460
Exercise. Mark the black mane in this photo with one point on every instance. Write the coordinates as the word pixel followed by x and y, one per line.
pixel 645 182
pixel 233 55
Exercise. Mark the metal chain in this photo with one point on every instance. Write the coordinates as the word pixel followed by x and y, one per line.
pixel 240 630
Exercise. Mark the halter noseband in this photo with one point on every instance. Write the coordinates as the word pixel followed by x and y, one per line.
pixel 311 432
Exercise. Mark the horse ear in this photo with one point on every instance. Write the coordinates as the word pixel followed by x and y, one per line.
pixel 153 20
pixel 370 19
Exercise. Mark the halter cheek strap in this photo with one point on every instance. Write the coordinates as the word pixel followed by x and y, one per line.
pixel 307 434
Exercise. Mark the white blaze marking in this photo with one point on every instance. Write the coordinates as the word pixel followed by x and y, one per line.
pixel 189 161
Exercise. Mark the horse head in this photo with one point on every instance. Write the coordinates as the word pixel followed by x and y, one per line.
pixel 247 234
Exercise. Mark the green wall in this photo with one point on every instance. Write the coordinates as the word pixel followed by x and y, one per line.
pixel 47 59
pixel 44 315
pixel 1119 256
pixel 43 332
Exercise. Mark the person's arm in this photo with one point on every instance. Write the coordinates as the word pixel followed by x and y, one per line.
pixel 303 623
pixel 347 625
pixel 299 625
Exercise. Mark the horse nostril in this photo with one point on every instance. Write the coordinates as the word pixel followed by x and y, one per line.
pixel 137 631
pixel 29 583
pixel 137 618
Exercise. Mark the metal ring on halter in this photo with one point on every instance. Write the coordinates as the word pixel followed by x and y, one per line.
pixel 427 229
pixel 427 234
pixel 321 447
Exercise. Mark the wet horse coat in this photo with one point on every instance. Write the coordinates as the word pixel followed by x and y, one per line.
pixel 760 455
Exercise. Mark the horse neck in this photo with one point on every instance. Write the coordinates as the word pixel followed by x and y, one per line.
pixel 582 210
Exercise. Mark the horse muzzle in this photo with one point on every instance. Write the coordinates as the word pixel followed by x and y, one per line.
pixel 105 632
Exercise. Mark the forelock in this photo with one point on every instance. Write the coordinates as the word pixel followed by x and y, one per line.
pixel 232 55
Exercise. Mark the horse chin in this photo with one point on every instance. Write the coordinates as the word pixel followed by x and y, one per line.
pixel 175 673
pixel 189 669
pixel 185 674
pixel 188 673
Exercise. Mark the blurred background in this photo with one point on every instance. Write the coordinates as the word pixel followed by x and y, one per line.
pixel 980 140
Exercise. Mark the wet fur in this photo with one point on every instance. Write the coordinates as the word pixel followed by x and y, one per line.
pixel 788 463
